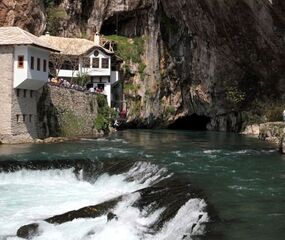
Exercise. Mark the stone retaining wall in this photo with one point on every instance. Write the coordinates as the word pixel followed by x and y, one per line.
pixel 66 113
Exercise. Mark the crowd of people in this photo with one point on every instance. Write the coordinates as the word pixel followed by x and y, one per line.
pixel 66 84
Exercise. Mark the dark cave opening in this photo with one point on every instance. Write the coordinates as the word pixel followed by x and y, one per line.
pixel 193 122
pixel 129 24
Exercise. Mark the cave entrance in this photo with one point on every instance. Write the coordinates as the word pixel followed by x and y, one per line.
pixel 129 24
pixel 193 122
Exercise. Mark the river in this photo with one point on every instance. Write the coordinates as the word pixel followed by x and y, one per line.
pixel 207 185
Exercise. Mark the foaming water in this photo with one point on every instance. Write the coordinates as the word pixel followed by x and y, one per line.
pixel 242 178
pixel 29 196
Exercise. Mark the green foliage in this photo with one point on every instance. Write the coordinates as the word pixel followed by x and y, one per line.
pixel 105 114
pixel 131 87
pixel 264 112
pixel 274 112
pixel 54 16
pixel 142 67
pixel 71 124
pixel 128 49
pixel 170 110
pixel 101 122
pixel 235 95
pixel 136 107
pixel 82 79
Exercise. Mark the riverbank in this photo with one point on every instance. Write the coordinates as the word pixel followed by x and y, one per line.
pixel 24 139
pixel 273 132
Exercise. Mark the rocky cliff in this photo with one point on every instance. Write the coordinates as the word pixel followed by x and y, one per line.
pixel 26 14
pixel 208 62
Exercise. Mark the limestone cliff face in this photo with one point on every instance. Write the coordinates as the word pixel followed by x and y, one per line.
pixel 213 58
pixel 27 14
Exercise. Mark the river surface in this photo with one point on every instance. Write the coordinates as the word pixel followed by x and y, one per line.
pixel 238 187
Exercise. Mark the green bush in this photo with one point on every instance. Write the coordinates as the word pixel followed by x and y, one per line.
pixel 170 110
pixel 105 114
pixel 55 14
pixel 274 113
pixel 71 125
pixel 128 49
pixel 82 79
pixel 235 95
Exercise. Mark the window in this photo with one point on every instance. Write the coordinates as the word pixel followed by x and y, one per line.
pixel 45 65
pixel 96 53
pixel 30 117
pixel 24 117
pixel 25 92
pixel 66 65
pixel 101 86
pixel 39 64
pixel 105 62
pixel 18 118
pixel 86 62
pixel 20 61
pixel 18 92
pixel 32 62
pixel 31 93
pixel 95 63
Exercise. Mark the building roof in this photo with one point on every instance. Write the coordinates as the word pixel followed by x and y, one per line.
pixel 18 36
pixel 72 46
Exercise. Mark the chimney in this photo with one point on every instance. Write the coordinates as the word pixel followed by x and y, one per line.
pixel 97 38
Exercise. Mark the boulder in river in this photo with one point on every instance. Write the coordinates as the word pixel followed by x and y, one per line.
pixel 28 231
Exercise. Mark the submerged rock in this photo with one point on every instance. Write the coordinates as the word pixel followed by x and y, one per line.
pixel 86 212
pixel 111 216
pixel 28 231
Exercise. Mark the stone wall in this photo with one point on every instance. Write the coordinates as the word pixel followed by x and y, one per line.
pixel 66 112
pixel 18 115
pixel 24 113
pixel 6 81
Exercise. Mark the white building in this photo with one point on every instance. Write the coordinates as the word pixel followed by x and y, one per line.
pixel 24 70
pixel 80 57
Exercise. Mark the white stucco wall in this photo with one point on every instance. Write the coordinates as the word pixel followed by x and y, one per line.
pixel 90 71
pixel 107 92
pixel 27 78
pixel 67 73
pixel 115 76
pixel 98 71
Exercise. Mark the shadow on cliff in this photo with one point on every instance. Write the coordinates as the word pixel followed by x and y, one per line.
pixel 193 122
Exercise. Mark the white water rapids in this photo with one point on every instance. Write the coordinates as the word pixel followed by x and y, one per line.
pixel 29 196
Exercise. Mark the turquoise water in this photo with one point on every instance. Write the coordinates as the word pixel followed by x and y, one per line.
pixel 242 178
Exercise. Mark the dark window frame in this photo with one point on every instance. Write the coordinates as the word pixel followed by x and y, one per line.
pixel 86 62
pixel 96 62
pixel 21 60
pixel 32 62
pixel 105 63
pixel 38 64
pixel 45 65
